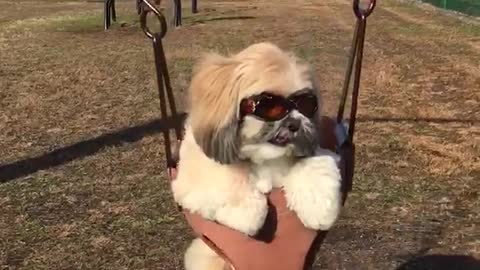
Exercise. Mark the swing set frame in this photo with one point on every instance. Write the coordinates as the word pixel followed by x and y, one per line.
pixel 110 13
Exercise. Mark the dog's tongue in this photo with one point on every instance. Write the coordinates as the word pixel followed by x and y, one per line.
pixel 282 138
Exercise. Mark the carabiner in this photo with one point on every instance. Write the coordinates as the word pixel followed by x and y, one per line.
pixel 363 13
pixel 143 20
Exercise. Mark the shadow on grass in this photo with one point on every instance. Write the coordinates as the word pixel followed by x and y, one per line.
pixel 441 262
pixel 85 148
pixel 419 119
pixel 232 18
pixel 90 147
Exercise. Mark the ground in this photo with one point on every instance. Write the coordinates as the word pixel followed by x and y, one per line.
pixel 82 176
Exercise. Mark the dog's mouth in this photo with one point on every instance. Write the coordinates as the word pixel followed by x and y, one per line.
pixel 282 138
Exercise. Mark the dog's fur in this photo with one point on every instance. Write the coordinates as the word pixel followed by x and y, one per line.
pixel 227 166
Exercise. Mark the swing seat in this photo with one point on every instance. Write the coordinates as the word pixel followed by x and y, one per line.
pixel 282 244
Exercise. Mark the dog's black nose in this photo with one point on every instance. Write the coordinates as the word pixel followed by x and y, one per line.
pixel 293 124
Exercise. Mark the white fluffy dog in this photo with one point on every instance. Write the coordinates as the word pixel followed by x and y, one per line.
pixel 252 126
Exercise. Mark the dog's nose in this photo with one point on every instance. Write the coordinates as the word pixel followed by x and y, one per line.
pixel 293 124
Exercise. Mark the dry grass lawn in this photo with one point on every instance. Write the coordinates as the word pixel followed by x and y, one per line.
pixel 82 179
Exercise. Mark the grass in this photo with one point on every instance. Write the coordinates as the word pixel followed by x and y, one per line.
pixel 89 23
pixel 104 202
pixel 78 22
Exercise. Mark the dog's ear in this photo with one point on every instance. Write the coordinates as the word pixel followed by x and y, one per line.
pixel 213 104
pixel 221 145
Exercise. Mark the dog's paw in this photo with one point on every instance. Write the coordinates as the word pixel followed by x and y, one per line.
pixel 247 215
pixel 312 190
pixel 264 186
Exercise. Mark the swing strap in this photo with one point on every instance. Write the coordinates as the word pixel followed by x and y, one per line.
pixel 344 132
pixel 163 79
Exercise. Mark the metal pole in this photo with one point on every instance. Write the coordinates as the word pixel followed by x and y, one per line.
pixel 194 6
pixel 138 6
pixel 106 15
pixel 178 12
pixel 114 13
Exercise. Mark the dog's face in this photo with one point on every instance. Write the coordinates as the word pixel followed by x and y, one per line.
pixel 258 105
pixel 273 125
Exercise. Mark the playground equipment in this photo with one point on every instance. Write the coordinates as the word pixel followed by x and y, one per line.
pixel 289 238
pixel 110 14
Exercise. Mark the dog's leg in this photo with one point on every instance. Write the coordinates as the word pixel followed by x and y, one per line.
pixel 312 190
pixel 261 182
pixel 199 256
pixel 246 213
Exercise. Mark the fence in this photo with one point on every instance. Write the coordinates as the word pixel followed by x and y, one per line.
pixel 470 7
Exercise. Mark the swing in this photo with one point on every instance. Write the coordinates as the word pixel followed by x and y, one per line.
pixel 283 234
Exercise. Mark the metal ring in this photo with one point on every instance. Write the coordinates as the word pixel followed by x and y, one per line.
pixel 363 13
pixel 143 20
